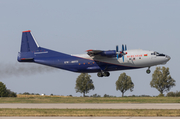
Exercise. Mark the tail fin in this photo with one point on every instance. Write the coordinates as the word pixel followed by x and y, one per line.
pixel 28 46
pixel 28 43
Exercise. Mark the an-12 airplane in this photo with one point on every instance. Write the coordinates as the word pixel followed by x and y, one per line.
pixel 95 61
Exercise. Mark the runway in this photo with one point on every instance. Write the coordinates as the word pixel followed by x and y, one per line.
pixel 93 106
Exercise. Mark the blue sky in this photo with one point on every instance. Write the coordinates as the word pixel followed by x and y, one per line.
pixel 73 27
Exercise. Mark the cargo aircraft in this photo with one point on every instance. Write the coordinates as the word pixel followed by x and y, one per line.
pixel 95 61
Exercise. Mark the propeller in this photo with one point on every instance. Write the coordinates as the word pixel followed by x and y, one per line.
pixel 124 48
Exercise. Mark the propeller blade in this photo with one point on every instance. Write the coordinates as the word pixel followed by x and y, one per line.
pixel 122 47
pixel 117 52
pixel 117 49
pixel 125 47
pixel 123 58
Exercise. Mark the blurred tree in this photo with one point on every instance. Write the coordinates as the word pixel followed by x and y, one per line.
pixel 3 90
pixel 26 93
pixel 11 94
pixel 84 84
pixel 162 80
pixel 173 94
pixel 95 95
pixel 124 83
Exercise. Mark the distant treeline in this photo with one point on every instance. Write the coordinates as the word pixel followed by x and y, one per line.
pixel 106 95
pixel 170 94
pixel 173 94
pixel 26 93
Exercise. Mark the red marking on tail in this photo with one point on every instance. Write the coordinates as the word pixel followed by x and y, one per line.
pixel 89 50
pixel 27 31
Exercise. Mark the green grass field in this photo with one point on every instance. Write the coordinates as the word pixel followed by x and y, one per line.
pixel 89 112
pixel 54 99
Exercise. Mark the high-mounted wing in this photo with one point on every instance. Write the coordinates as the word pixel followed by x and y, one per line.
pixel 109 53
pixel 94 52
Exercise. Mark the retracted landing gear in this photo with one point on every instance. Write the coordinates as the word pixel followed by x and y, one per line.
pixel 148 71
pixel 101 74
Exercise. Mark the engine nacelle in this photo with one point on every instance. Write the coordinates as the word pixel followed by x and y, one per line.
pixel 110 53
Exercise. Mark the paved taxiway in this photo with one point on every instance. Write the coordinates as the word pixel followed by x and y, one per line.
pixel 93 106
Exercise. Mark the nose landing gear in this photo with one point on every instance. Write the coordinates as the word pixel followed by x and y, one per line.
pixel 148 71
pixel 101 74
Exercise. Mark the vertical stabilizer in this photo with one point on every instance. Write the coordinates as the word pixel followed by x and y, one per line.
pixel 28 47
pixel 28 43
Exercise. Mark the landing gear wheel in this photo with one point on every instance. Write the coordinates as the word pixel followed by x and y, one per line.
pixel 106 74
pixel 148 71
pixel 99 74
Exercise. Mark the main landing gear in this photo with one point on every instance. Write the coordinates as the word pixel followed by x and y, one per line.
pixel 148 71
pixel 101 74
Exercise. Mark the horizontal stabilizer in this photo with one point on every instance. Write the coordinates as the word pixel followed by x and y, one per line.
pixel 25 57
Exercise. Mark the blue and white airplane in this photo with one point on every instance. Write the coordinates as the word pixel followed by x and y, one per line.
pixel 95 61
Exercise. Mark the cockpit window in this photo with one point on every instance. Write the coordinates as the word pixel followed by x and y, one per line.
pixel 153 53
pixel 161 55
pixel 157 54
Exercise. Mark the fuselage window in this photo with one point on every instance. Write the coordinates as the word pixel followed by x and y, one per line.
pixel 129 58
